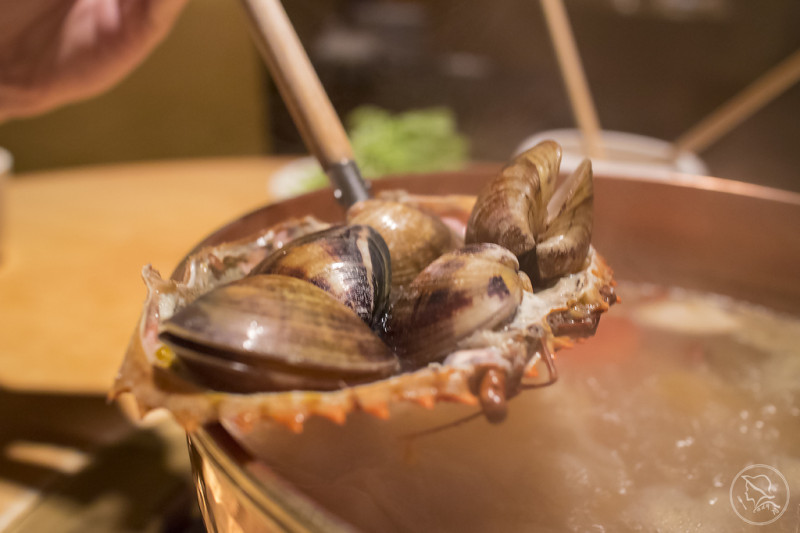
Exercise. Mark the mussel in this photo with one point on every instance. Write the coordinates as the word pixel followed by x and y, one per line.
pixel 351 263
pixel 467 290
pixel 549 229
pixel 273 332
pixel 414 237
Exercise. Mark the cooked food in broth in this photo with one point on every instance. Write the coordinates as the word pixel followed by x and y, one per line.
pixel 646 429
pixel 356 360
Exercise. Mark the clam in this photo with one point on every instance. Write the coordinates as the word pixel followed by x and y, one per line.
pixel 272 332
pixel 549 229
pixel 463 323
pixel 414 237
pixel 464 291
pixel 350 262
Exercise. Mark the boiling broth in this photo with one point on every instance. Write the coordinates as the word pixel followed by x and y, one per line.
pixel 646 429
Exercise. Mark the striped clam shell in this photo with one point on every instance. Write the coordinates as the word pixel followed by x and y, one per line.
pixel 464 291
pixel 271 332
pixel 549 229
pixel 350 262
pixel 563 246
pixel 414 237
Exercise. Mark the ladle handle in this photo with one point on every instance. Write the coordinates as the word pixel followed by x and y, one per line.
pixel 311 109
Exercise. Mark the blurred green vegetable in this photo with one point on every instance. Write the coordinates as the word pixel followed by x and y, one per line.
pixel 423 140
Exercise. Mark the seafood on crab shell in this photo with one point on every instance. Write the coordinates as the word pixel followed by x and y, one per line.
pixel 489 360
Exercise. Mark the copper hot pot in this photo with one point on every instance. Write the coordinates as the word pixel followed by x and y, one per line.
pixel 694 232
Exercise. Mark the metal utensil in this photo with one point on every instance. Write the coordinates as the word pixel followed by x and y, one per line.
pixel 311 109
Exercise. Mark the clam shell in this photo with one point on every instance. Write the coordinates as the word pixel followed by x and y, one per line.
pixel 464 291
pixel 279 333
pixel 549 229
pixel 351 263
pixel 512 208
pixel 414 237
pixel 564 245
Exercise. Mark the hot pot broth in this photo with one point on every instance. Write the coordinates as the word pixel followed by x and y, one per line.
pixel 645 430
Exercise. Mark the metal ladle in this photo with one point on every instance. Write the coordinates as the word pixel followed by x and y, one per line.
pixel 309 105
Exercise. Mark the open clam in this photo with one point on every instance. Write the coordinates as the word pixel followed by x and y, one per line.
pixel 497 341
pixel 548 228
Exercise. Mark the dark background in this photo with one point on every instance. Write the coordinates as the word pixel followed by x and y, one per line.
pixel 655 67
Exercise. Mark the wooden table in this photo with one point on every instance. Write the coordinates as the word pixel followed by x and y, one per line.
pixel 75 242
pixel 70 293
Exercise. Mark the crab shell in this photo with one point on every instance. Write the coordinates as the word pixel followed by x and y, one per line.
pixel 522 347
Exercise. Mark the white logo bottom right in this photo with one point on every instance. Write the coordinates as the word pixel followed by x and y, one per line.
pixel 759 494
